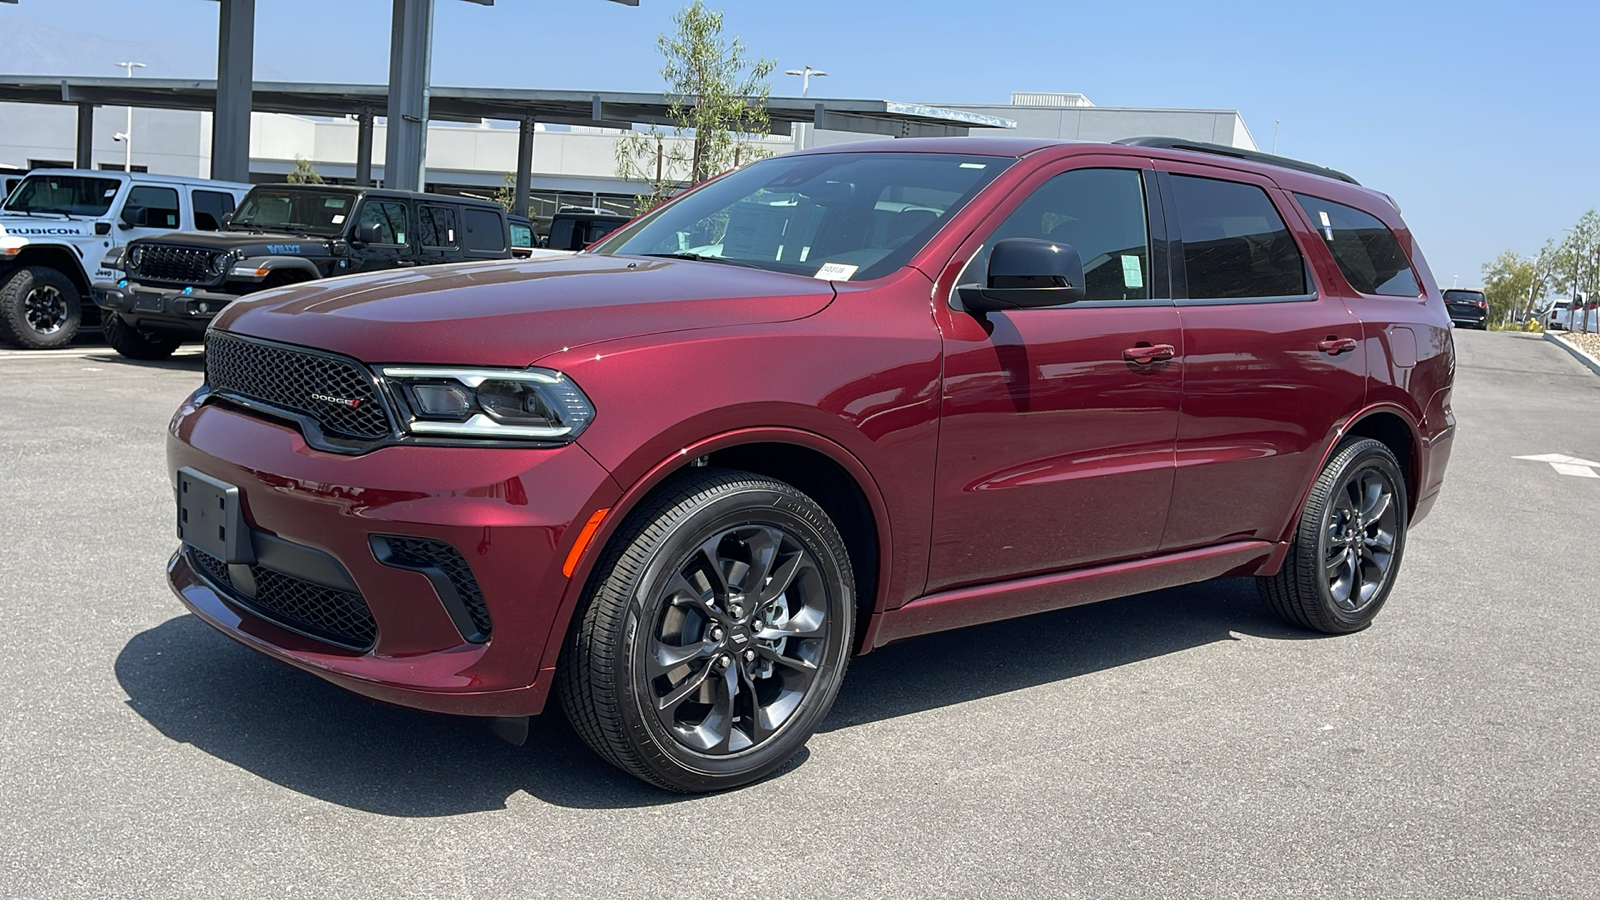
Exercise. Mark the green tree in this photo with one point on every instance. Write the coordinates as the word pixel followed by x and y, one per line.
pixel 506 196
pixel 303 172
pixel 717 97
pixel 1508 281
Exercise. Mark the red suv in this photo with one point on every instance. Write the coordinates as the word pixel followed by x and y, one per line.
pixel 827 401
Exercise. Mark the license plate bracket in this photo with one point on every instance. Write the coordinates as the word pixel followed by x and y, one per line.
pixel 211 518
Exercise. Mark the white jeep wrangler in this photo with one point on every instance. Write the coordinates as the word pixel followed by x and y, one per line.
pixel 57 226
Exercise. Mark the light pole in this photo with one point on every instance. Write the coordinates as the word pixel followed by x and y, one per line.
pixel 806 75
pixel 126 137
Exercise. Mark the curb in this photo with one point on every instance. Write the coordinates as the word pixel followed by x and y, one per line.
pixel 1578 354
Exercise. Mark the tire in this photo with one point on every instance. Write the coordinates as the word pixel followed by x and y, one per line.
pixel 1337 577
pixel 40 308
pixel 668 675
pixel 133 343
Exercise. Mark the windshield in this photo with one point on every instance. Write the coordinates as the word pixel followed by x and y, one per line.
pixel 293 210
pixel 73 195
pixel 840 216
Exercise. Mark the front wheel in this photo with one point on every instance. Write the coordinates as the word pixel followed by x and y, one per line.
pixel 40 308
pixel 1347 547
pixel 714 634
pixel 133 343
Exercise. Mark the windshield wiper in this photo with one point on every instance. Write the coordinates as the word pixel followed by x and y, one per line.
pixel 52 209
pixel 701 257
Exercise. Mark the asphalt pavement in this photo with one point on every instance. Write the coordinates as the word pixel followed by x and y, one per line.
pixel 1176 744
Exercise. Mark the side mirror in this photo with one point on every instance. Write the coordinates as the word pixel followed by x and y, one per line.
pixel 227 219
pixel 134 217
pixel 367 233
pixel 1025 273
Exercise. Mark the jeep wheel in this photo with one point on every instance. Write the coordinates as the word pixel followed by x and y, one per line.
pixel 1346 550
pixel 133 343
pixel 40 308
pixel 714 634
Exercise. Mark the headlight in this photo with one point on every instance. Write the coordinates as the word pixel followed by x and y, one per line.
pixel 136 256
pixel 505 404
pixel 222 262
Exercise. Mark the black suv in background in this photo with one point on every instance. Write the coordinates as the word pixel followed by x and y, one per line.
pixel 173 285
pixel 1468 309
pixel 574 228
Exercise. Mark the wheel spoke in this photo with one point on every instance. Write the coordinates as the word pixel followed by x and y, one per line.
pixel 783 576
pixel 763 545
pixel 682 691
pixel 1382 541
pixel 668 657
pixel 725 707
pixel 797 665
pixel 759 728
pixel 711 564
pixel 681 590
pixel 1379 503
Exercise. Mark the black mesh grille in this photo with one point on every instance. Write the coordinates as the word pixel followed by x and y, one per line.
pixel 338 394
pixel 179 265
pixel 339 617
pixel 421 553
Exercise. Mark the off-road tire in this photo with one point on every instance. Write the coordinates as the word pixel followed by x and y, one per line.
pixel 15 327
pixel 601 681
pixel 133 343
pixel 1301 593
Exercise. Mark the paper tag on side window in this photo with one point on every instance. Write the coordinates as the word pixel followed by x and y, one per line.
pixel 1132 274
pixel 836 272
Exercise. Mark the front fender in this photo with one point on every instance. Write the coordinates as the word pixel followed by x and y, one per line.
pixel 260 268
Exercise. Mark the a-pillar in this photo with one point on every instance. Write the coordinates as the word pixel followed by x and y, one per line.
pixel 525 131
pixel 84 158
pixel 410 65
pixel 230 125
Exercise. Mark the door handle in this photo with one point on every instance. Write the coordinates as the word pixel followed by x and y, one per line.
pixel 1145 354
pixel 1334 346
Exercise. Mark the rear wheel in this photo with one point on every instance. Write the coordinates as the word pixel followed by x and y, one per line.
pixel 133 343
pixel 1347 547
pixel 714 635
pixel 40 308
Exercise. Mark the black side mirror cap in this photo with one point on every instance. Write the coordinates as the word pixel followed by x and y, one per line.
pixel 1025 273
pixel 367 233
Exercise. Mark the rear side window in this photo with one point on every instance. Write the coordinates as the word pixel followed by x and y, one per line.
pixel 389 216
pixel 436 226
pixel 1366 250
pixel 160 205
pixel 209 208
pixel 1235 245
pixel 483 230
pixel 521 235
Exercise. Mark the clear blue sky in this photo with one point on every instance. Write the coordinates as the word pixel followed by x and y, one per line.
pixel 1480 118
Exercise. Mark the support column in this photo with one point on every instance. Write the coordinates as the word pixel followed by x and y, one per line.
pixel 84 158
pixel 230 126
pixel 410 68
pixel 364 147
pixel 525 131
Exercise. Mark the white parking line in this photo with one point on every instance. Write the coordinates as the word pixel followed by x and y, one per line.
pixel 103 354
pixel 1567 465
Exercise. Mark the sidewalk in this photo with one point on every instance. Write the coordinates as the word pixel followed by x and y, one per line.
pixel 1584 347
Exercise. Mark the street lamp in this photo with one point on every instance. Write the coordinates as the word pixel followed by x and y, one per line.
pixel 126 137
pixel 806 75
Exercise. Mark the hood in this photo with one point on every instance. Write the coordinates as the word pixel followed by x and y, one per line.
pixel 512 312
pixel 247 243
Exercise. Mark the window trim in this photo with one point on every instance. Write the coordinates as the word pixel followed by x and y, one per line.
pixel 456 226
pixel 404 206
pixel 177 206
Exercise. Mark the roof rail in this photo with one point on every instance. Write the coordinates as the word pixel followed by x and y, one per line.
pixel 1172 143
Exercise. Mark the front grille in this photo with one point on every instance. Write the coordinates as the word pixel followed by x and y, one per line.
pixel 337 393
pixel 418 553
pixel 179 265
pixel 328 614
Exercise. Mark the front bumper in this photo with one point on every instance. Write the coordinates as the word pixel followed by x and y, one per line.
pixel 185 311
pixel 509 513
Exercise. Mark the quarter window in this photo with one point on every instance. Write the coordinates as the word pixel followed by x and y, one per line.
pixel 1366 250
pixel 436 226
pixel 484 231
pixel 390 218
pixel 1100 212
pixel 1235 245
pixel 160 205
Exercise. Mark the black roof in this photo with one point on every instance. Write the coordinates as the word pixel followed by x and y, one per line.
pixel 1256 156
pixel 383 192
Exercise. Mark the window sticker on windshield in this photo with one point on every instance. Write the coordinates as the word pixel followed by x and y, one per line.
pixel 1327 225
pixel 973 166
pixel 334 203
pixel 338 220
pixel 836 272
pixel 111 192
pixel 1132 274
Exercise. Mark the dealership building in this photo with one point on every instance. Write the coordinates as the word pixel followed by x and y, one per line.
pixel 572 165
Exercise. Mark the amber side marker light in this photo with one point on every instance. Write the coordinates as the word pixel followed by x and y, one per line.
pixel 582 543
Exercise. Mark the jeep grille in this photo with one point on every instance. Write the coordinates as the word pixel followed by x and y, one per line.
pixel 177 265
pixel 336 393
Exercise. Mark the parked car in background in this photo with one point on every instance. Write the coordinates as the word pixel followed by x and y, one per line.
pixel 58 224
pixel 577 228
pixel 1468 308
pixel 1571 314
pixel 827 401
pixel 9 179
pixel 172 286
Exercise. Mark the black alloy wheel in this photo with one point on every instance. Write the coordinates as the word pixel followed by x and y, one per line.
pixel 40 308
pixel 714 634
pixel 1346 550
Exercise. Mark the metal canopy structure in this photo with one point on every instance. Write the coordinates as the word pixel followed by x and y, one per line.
pixel 608 109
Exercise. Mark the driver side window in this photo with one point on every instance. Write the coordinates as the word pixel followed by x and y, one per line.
pixel 1101 213
pixel 390 217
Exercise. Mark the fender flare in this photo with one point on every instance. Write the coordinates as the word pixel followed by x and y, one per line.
pixel 634 493
pixel 274 264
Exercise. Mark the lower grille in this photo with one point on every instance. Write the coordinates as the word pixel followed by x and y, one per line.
pixel 327 614
pixel 336 393
pixel 179 265
pixel 418 553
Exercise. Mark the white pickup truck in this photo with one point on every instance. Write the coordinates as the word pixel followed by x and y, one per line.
pixel 58 224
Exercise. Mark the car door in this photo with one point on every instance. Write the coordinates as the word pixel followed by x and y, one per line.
pixel 1271 361
pixel 395 235
pixel 1056 434
pixel 438 234
pixel 159 208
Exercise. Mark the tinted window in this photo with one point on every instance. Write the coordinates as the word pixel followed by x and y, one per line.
pixel 160 205
pixel 1366 250
pixel 1455 296
pixel 436 226
pixel 293 209
pixel 1100 212
pixel 484 231
pixel 389 216
pixel 209 208
pixel 521 235
pixel 73 194
pixel 1235 244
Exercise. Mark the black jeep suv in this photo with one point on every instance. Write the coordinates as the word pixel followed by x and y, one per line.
pixel 173 285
